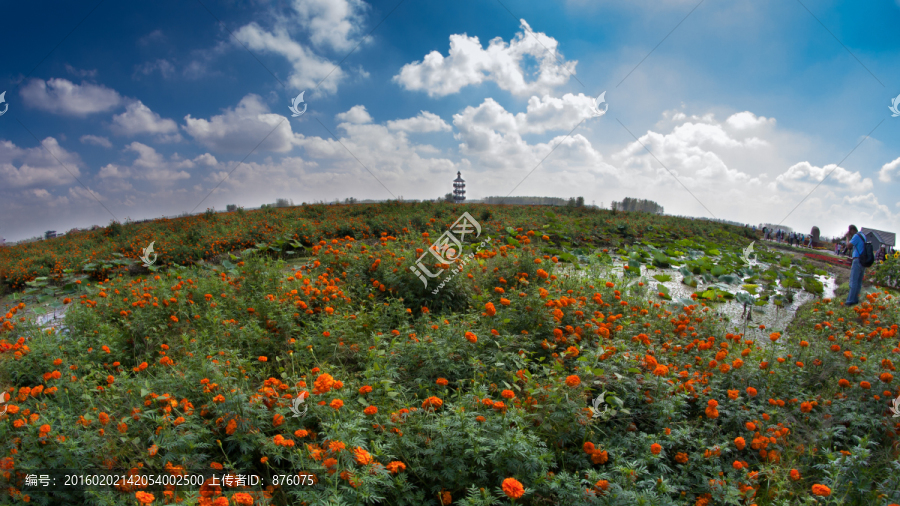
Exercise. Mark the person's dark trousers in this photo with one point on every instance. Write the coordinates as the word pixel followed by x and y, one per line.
pixel 856 277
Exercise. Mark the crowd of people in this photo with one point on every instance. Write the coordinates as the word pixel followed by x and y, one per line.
pixel 790 238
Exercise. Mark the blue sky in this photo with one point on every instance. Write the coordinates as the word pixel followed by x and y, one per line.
pixel 749 104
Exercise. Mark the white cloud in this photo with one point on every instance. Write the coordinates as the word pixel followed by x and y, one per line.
pixel 60 96
pixel 887 169
pixel 80 72
pixel 332 24
pixel 96 140
pixel 155 37
pixel 139 119
pixel 746 120
pixel 309 68
pixel 424 122
pixel 356 114
pixel 803 176
pixel 150 166
pixel 165 67
pixel 22 168
pixel 241 129
pixel 468 63
pixel 207 160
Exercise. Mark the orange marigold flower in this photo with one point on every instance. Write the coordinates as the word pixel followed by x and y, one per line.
pixel 774 336
pixel 737 465
pixel 490 309
pixel 395 467
pixel 751 391
pixel 733 394
pixel 432 403
pixel 681 458
pixel 865 385
pixel 795 474
pixel 740 443
pixel 471 337
pixel 336 404
pixel 655 449
pixel 507 394
pixel 263 359
pixel 821 490
pixel 362 457
pixel 886 377
pixel 363 390
pixel 324 383
pixel 243 499
pixel 513 488
pixel 442 382
pixel 371 410
pixel 573 381
pixel 144 497
pixel 843 383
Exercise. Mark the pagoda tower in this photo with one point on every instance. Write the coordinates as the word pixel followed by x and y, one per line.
pixel 459 189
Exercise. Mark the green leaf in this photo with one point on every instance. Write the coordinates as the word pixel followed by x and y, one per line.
pixel 634 370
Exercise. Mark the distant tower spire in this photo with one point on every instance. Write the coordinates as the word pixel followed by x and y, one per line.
pixel 459 188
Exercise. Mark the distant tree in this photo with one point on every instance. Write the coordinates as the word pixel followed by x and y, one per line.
pixel 231 208
pixel 640 205
pixel 283 203
pixel 448 197
pixel 579 202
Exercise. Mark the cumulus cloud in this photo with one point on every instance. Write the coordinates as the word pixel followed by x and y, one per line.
pixel 884 175
pixel 96 140
pixel 139 119
pixel 153 166
pixel 356 114
pixel 27 167
pixel 424 122
pixel 332 24
pixel 746 120
pixel 61 96
pixel 309 68
pixel 804 175
pixel 468 63
pixel 239 130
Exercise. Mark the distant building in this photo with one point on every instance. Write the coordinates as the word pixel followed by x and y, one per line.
pixel 879 237
pixel 50 234
pixel 459 189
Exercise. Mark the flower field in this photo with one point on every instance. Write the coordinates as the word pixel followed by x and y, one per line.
pixel 297 346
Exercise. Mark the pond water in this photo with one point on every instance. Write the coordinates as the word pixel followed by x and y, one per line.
pixel 730 311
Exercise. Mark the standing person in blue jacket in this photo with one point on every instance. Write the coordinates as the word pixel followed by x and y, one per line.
pixel 856 242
